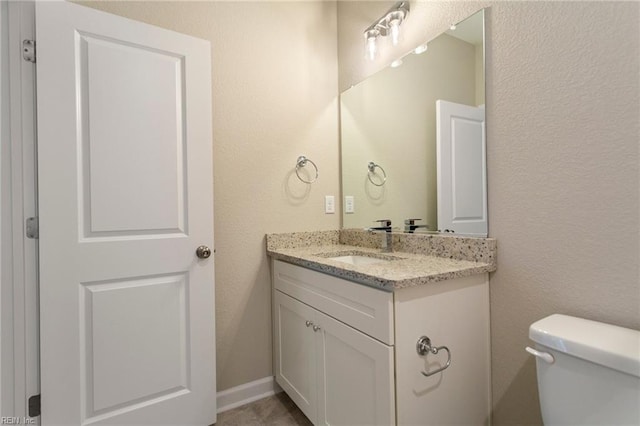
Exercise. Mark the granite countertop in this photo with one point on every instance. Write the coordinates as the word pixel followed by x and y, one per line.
pixel 403 268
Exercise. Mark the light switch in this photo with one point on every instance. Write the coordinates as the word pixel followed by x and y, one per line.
pixel 349 204
pixel 329 204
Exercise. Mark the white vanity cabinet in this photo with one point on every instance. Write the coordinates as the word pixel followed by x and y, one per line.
pixel 336 374
pixel 346 353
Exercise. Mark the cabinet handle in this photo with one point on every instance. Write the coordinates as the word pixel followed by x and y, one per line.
pixel 424 347
pixel 308 323
pixel 316 328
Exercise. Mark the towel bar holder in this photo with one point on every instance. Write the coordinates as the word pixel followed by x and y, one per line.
pixel 302 162
pixel 372 171
pixel 424 347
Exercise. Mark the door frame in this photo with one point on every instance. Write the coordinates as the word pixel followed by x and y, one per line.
pixel 19 312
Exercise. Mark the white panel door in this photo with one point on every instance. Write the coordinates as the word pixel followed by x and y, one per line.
pixel 462 172
pixel 125 198
pixel 355 376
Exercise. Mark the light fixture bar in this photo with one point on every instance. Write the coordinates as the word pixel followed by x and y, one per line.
pixel 388 24
pixel 397 14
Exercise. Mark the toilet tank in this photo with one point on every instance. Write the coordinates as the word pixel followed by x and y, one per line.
pixel 593 374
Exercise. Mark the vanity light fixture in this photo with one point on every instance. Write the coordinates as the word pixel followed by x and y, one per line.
pixel 388 25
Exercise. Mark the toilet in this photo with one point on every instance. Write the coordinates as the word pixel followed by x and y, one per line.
pixel 588 371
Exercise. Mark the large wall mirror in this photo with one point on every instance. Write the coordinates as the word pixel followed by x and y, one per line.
pixel 413 139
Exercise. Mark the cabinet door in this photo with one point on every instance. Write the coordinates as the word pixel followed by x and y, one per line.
pixel 355 376
pixel 295 352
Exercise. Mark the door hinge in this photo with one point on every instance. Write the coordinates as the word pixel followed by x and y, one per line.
pixel 34 406
pixel 32 228
pixel 29 50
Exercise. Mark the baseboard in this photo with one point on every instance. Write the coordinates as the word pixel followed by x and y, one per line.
pixel 246 393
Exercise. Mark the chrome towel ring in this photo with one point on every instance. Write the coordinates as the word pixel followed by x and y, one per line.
pixel 372 171
pixel 302 162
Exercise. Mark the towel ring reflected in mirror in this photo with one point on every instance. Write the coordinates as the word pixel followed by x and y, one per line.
pixel 372 171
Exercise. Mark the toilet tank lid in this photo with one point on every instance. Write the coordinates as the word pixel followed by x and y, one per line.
pixel 605 344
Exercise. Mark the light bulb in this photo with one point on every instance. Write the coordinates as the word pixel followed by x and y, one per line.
pixel 396 63
pixel 371 46
pixel 394 28
pixel 453 27
pixel 421 49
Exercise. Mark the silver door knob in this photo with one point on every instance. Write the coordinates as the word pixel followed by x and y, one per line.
pixel 203 252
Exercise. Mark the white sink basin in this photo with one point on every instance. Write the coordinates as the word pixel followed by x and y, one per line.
pixel 359 260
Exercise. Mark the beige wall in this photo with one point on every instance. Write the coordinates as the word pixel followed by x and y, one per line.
pixel 563 165
pixel 390 118
pixel 274 98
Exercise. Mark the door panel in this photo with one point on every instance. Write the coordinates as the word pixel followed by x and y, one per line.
pixel 156 360
pixel 295 352
pixel 131 107
pixel 125 197
pixel 462 172
pixel 355 373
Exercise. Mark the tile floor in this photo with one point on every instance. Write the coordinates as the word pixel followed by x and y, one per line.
pixel 276 410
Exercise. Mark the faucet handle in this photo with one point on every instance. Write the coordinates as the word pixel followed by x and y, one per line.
pixel 411 221
pixel 384 222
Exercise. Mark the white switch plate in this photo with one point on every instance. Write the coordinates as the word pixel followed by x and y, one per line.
pixel 329 204
pixel 349 204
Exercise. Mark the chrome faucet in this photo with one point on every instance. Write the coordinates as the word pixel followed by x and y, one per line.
pixel 387 241
pixel 410 225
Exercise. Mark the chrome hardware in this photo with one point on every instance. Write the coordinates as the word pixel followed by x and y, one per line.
pixel 32 228
pixel 385 225
pixel 545 356
pixel 410 225
pixel 423 347
pixel 387 240
pixel 203 252
pixel 29 50
pixel 372 171
pixel 302 162
pixel 310 323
